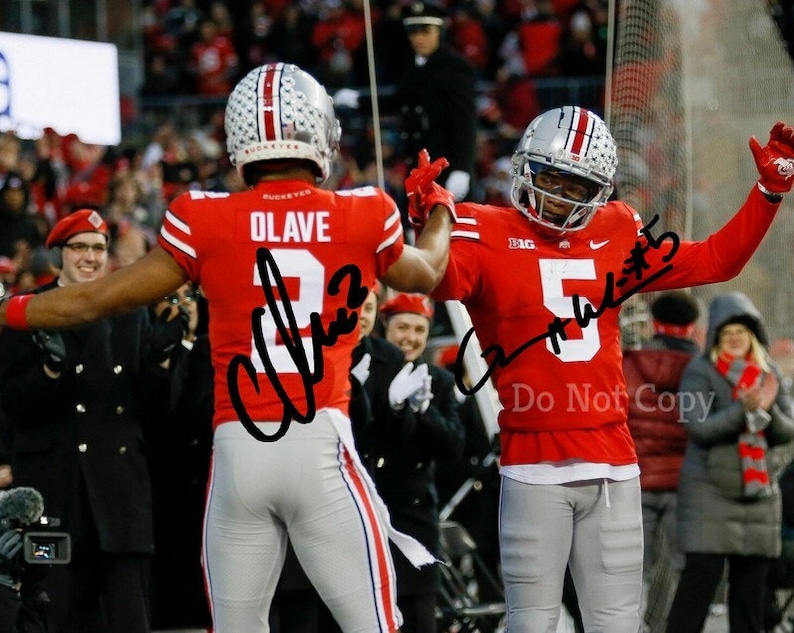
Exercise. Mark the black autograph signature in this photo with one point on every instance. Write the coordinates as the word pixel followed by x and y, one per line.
pixel 635 267
pixel 289 331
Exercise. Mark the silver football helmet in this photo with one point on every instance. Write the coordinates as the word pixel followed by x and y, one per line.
pixel 279 111
pixel 564 141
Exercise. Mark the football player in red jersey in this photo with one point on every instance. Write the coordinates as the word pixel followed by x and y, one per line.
pixel 285 267
pixel 543 283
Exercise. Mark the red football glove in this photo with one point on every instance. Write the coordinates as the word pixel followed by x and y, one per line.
pixel 775 161
pixel 424 193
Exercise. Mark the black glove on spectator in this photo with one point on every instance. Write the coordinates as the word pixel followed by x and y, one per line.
pixel 166 335
pixel 53 347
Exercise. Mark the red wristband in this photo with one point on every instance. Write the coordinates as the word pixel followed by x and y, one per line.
pixel 15 312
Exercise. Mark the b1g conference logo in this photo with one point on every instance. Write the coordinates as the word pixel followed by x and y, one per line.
pixel 5 89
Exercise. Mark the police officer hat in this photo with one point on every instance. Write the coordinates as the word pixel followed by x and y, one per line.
pixel 422 13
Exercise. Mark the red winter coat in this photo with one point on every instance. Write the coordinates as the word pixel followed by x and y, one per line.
pixel 652 379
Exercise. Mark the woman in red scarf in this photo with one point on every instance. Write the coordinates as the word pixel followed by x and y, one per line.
pixel 739 421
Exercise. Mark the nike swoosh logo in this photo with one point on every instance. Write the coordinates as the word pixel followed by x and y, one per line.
pixel 596 245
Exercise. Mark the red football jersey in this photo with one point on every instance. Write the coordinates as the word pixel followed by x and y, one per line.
pixel 285 268
pixel 546 315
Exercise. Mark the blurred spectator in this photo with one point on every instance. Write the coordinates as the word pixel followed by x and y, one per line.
pixel 739 423
pixel 124 204
pixel 39 271
pixel 539 35
pixel 129 243
pixel 495 27
pixel 182 21
pixel 337 39
pixel 20 231
pixel 469 37
pixel 164 76
pixel 253 36
pixel 50 176
pixel 290 37
pixel 88 173
pixel 214 63
pixel 580 53
pixel 392 50
pixel 163 145
pixel 220 15
pixel 10 148
pixel 206 154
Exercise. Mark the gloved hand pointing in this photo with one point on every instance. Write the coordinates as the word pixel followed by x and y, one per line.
pixel 775 161
pixel 406 383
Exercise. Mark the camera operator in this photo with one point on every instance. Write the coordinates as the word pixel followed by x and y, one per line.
pixel 27 544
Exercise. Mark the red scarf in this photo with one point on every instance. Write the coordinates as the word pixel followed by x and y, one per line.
pixel 743 374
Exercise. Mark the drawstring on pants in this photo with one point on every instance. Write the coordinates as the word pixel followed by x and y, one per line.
pixel 606 493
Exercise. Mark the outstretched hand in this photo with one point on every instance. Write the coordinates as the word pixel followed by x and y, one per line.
pixel 775 160
pixel 424 193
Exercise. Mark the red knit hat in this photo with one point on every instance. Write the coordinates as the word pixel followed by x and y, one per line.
pixel 413 303
pixel 81 221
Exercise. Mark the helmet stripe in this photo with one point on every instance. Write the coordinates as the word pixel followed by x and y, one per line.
pixel 268 114
pixel 581 128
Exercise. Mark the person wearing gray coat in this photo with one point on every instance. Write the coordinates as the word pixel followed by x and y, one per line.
pixel 739 422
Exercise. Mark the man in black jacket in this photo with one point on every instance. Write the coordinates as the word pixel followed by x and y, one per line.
pixel 434 99
pixel 77 400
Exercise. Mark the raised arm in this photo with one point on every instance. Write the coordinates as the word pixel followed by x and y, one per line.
pixel 723 255
pixel 140 284
pixel 431 209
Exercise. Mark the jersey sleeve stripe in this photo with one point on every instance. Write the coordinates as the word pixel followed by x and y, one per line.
pixel 391 239
pixel 468 235
pixel 393 219
pixel 177 243
pixel 178 224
